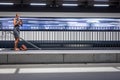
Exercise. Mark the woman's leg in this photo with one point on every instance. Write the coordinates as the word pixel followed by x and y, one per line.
pixel 16 44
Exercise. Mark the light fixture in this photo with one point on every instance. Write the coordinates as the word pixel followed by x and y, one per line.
pixel 38 4
pixel 69 4
pixel 101 5
pixel 6 3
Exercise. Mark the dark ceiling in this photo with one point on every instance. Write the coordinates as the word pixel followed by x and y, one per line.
pixel 56 6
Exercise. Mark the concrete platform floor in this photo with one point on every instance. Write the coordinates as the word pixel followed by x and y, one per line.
pixel 101 71
pixel 59 51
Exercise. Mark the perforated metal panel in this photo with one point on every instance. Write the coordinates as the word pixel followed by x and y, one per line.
pixel 65 38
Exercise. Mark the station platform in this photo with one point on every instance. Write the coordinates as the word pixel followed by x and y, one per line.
pixel 97 71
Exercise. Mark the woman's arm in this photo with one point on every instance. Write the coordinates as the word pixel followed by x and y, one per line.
pixel 21 22
pixel 17 22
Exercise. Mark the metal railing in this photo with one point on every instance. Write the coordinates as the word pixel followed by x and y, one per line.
pixel 63 38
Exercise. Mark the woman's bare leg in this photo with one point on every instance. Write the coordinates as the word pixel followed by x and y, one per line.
pixel 16 44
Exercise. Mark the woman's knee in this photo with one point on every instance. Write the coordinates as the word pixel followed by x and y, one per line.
pixel 16 40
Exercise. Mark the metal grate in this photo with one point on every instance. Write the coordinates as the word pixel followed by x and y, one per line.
pixel 64 39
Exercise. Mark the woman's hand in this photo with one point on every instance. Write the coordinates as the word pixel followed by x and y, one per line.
pixel 20 22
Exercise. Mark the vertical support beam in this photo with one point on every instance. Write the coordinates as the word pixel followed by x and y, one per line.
pixel 54 3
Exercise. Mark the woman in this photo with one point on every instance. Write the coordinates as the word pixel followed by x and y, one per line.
pixel 16 31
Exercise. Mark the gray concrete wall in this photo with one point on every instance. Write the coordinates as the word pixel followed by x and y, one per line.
pixel 32 58
pixel 3 58
pixel 59 58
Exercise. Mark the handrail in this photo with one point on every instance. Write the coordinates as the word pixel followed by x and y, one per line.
pixel 27 42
